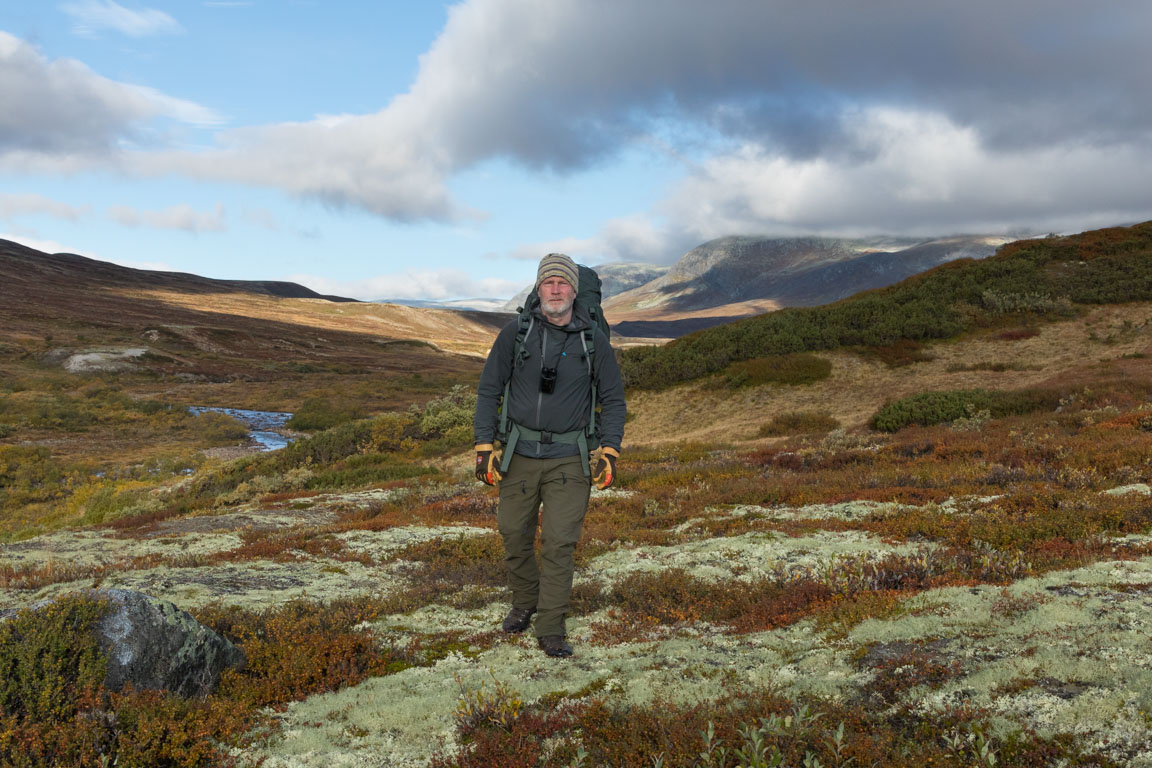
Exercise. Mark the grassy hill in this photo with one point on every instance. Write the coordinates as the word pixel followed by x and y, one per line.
pixel 774 581
pixel 1047 278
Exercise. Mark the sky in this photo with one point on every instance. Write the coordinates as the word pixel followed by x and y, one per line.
pixel 414 149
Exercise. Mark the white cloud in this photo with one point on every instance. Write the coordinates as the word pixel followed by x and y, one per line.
pixel 804 117
pixel 432 284
pixel 181 217
pixel 92 16
pixel 60 116
pixel 555 86
pixel 914 173
pixel 635 238
pixel 12 205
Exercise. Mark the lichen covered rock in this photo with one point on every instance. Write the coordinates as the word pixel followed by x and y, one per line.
pixel 152 644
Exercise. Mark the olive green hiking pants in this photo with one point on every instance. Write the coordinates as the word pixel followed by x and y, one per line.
pixel 564 490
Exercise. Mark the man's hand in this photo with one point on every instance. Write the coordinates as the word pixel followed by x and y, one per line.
pixel 488 464
pixel 605 472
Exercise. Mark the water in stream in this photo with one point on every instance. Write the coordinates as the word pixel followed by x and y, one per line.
pixel 262 425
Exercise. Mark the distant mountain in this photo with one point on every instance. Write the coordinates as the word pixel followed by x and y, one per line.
pixel 479 305
pixel 32 263
pixel 197 321
pixel 787 272
pixel 614 279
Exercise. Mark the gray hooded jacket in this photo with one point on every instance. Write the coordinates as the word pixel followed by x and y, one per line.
pixel 567 407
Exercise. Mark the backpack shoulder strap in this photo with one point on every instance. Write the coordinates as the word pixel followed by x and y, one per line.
pixel 588 342
pixel 525 321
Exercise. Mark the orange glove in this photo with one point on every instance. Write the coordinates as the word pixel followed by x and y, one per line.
pixel 604 473
pixel 488 464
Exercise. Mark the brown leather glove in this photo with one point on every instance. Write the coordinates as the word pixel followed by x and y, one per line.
pixel 604 471
pixel 488 464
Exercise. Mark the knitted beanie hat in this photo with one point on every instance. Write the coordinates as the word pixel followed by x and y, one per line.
pixel 558 265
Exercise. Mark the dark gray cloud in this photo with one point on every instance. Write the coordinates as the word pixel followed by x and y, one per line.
pixel 799 116
pixel 562 86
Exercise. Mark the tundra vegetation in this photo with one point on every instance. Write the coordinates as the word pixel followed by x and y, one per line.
pixel 958 577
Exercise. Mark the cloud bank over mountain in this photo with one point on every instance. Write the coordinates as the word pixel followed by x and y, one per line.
pixel 785 118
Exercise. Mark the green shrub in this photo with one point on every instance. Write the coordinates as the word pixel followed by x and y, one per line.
pixel 51 665
pixel 799 423
pixel 327 446
pixel 319 413
pixel 390 432
pixel 367 469
pixel 800 368
pixel 928 408
pixel 441 415
pixel 216 428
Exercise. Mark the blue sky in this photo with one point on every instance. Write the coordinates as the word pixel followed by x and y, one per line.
pixel 409 149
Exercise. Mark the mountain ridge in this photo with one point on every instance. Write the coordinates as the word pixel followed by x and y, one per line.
pixel 799 271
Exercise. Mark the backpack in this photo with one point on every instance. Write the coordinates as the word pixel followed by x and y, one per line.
pixel 589 295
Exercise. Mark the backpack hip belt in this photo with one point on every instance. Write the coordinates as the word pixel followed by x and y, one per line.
pixel 577 437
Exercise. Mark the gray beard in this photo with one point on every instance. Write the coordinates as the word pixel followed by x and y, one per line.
pixel 551 314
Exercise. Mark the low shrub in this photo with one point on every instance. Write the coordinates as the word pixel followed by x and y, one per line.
pixel 51 665
pixel 319 413
pixel 390 432
pixel 448 414
pixel 799 423
pixel 215 428
pixel 898 354
pixel 929 408
pixel 797 368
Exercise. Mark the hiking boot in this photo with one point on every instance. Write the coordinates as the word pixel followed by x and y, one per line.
pixel 555 645
pixel 517 620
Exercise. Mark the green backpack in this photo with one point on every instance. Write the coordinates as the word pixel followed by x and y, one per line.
pixel 589 296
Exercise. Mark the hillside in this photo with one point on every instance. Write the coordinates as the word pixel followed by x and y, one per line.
pixel 1044 278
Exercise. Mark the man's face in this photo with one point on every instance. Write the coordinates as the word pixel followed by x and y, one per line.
pixel 556 296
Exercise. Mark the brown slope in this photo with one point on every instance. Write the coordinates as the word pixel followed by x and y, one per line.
pixel 39 291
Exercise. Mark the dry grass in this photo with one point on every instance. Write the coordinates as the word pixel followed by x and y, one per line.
pixel 1064 352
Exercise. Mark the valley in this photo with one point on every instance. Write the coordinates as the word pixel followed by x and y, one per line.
pixel 779 574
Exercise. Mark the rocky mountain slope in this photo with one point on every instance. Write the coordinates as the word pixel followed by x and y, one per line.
pixel 735 276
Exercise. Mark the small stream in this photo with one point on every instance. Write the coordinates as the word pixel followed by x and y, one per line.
pixel 262 425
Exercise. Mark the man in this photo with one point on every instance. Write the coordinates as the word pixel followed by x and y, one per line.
pixel 546 394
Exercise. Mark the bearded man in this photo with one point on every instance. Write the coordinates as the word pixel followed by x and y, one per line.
pixel 546 392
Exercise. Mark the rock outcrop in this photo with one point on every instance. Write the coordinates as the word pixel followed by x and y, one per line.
pixel 153 644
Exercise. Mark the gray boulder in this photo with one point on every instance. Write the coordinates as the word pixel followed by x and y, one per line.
pixel 152 644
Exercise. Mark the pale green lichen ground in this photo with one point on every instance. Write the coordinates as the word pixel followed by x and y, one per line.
pixel 1083 628
pixel 1069 652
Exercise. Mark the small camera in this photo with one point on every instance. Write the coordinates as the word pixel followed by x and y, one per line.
pixel 547 380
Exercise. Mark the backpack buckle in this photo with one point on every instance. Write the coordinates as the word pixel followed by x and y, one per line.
pixel 545 438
